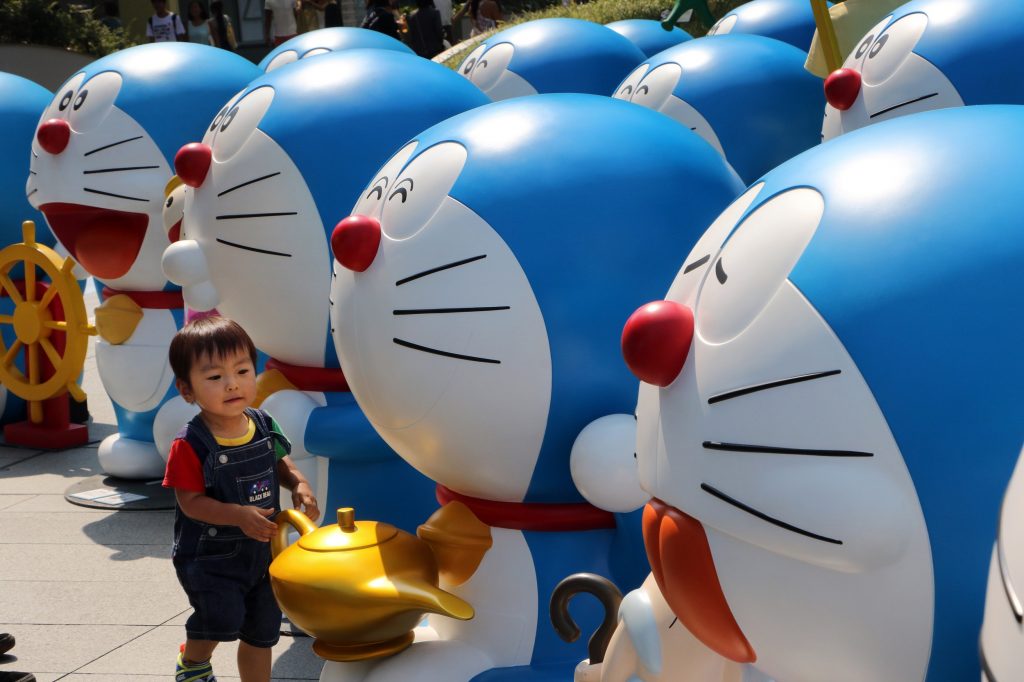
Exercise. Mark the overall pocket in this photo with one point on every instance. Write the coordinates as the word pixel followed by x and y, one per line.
pixel 258 490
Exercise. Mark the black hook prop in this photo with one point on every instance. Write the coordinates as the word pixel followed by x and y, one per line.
pixel 610 598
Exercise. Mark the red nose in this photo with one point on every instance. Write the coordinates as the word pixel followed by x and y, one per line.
pixel 841 88
pixel 355 241
pixel 54 135
pixel 656 340
pixel 192 163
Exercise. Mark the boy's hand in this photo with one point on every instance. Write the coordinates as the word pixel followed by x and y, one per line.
pixel 304 500
pixel 254 522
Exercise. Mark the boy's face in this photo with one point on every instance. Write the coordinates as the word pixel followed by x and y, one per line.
pixel 222 386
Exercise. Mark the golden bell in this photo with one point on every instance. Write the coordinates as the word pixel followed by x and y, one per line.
pixel 358 587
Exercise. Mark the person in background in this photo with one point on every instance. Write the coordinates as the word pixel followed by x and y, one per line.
pixel 279 21
pixel 164 26
pixel 221 33
pixel 380 18
pixel 485 15
pixel 332 14
pixel 426 35
pixel 198 23
pixel 444 8
pixel 111 16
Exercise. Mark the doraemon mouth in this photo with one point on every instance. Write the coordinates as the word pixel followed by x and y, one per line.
pixel 106 242
pixel 903 104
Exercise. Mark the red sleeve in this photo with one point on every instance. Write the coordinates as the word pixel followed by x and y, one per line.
pixel 184 471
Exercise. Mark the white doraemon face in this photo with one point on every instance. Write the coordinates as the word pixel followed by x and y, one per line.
pixel 252 242
pixel 771 444
pixel 441 337
pixel 724 25
pixel 894 81
pixel 652 88
pixel 101 186
pixel 291 56
pixel 487 68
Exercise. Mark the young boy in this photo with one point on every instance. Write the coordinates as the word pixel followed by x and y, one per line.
pixel 164 26
pixel 225 467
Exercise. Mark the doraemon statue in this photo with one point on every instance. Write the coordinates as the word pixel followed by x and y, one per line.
pixel 830 406
pixel 551 55
pixel 748 96
pixel 101 160
pixel 280 164
pixel 929 54
pixel 325 40
pixel 648 35
pixel 475 297
pixel 791 21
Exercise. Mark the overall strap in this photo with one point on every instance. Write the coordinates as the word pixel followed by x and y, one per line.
pixel 265 430
pixel 196 432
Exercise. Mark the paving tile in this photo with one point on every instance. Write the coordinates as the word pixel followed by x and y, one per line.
pixel 8 501
pixel 60 649
pixel 74 527
pixel 85 603
pixel 45 504
pixel 49 472
pixel 92 563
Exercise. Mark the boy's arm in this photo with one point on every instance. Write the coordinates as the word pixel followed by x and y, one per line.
pixel 252 520
pixel 302 494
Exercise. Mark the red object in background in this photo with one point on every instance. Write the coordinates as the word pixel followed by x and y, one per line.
pixel 656 341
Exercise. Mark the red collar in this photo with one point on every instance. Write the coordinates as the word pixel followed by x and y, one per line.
pixel 161 300
pixel 322 379
pixel 532 515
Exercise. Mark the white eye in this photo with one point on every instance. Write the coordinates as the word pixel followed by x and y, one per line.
pixel 628 87
pixel 684 288
pixel 315 52
pixel 892 48
pixel 466 67
pixel 239 122
pixel 283 59
pixel 416 195
pixel 755 262
pixel 211 130
pixel 491 65
pixel 655 88
pixel 724 25
pixel 377 191
pixel 93 101
pixel 864 45
pixel 60 105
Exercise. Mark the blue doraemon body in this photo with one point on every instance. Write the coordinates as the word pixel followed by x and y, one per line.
pixel 286 159
pixel 648 35
pixel 102 157
pixel 748 96
pixel 929 54
pixel 551 55
pixel 493 255
pixel 325 40
pixel 791 21
pixel 848 413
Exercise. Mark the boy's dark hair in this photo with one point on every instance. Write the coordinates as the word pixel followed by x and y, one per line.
pixel 214 337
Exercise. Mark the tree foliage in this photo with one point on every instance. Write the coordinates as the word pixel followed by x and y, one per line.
pixel 48 22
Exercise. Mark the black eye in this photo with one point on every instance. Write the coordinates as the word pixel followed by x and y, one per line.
pixel 469 65
pixel 378 189
pixel 228 119
pixel 483 63
pixel 401 190
pixel 864 46
pixel 66 100
pixel 626 90
pixel 80 100
pixel 720 272
pixel 877 47
pixel 644 88
pixel 217 119
pixel 170 200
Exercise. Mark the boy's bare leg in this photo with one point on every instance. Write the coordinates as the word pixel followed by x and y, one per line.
pixel 254 663
pixel 199 650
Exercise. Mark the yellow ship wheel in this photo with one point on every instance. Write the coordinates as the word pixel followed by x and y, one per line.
pixel 63 342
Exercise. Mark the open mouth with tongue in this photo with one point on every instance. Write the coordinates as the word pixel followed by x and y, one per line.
pixel 680 558
pixel 104 241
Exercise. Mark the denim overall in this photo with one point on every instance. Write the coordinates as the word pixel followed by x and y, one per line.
pixel 224 572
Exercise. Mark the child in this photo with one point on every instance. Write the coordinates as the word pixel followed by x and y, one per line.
pixel 225 467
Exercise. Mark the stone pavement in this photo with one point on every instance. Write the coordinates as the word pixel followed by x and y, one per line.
pixel 91 594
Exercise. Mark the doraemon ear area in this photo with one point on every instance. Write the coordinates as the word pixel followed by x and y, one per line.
pixel 755 262
pixel 656 87
pixel 892 47
pixel 723 25
pixel 604 467
pixel 284 59
pixel 93 101
pixel 705 251
pixel 372 198
pixel 491 65
pixel 418 192
pixel 628 87
pixel 467 65
pixel 233 126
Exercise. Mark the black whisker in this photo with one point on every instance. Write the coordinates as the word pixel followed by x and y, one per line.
pixel 1004 574
pixel 771 384
pixel 674 621
pixel 720 272
pixel 897 106
pixel 113 144
pixel 696 264
pixel 34 155
pixel 764 517
pixel 118 170
pixel 32 172
pixel 116 196
pixel 247 182
pixel 433 311
pixel 773 450
pixel 253 248
pixel 242 216
pixel 32 192
pixel 439 268
pixel 447 354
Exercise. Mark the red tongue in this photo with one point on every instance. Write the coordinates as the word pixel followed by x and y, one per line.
pixel 680 558
pixel 104 241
